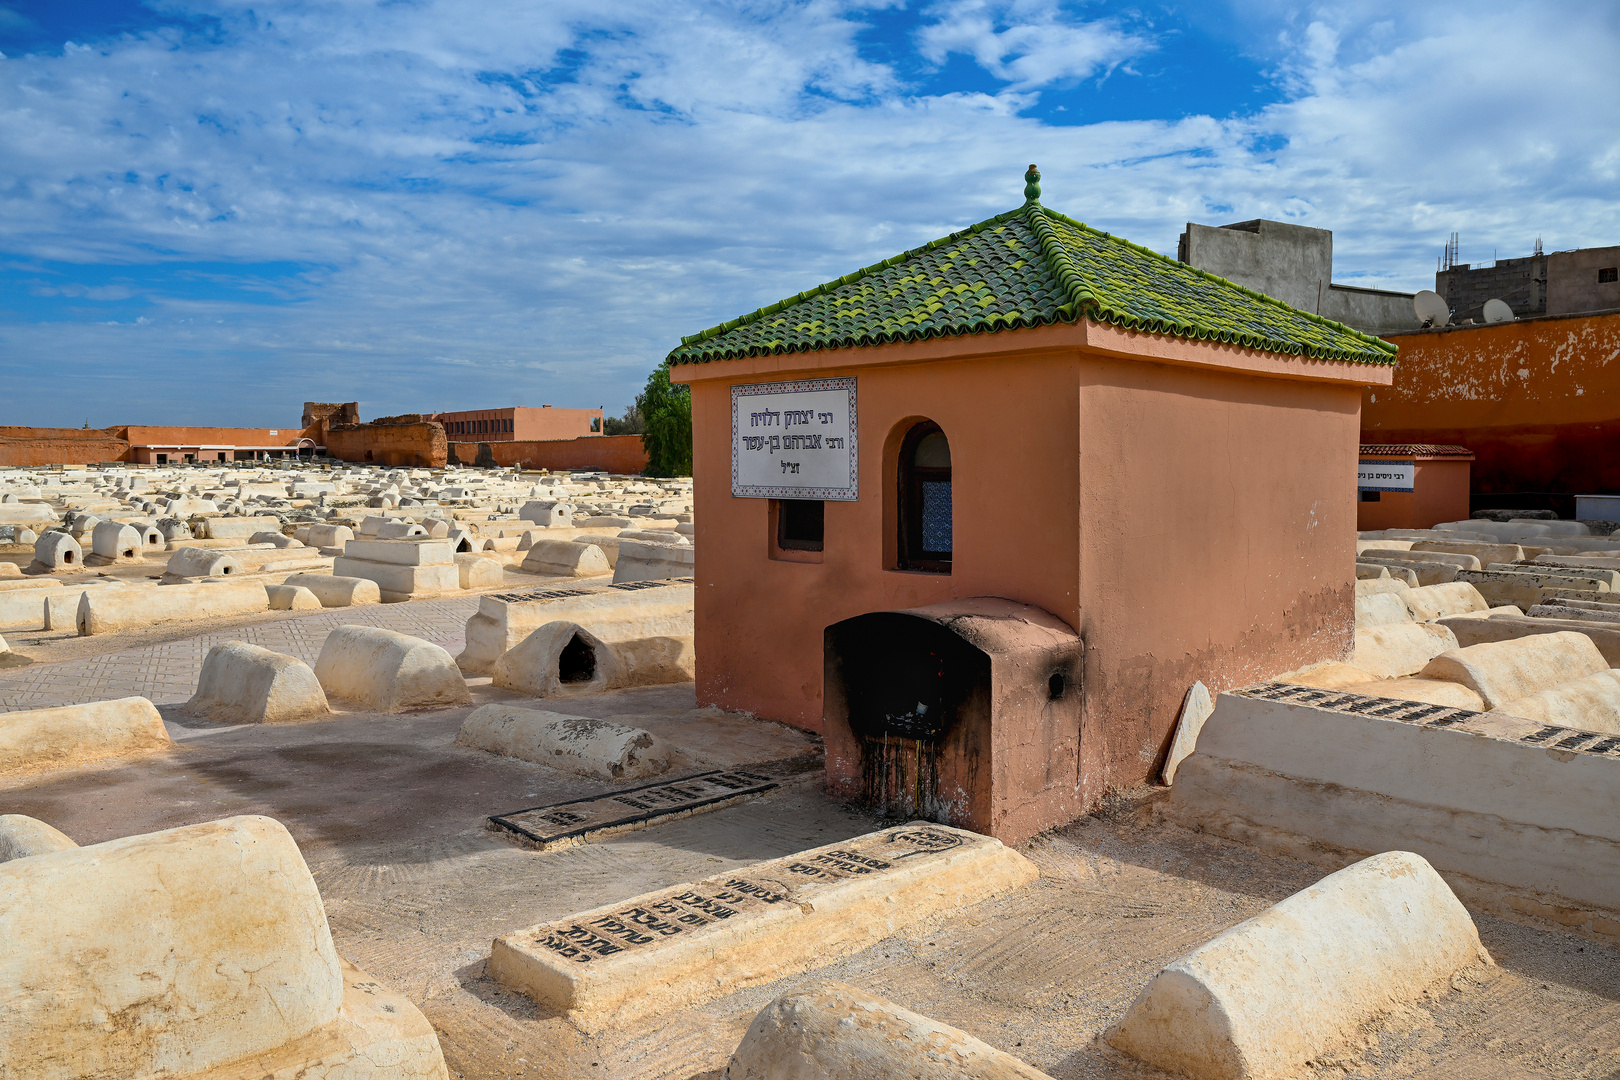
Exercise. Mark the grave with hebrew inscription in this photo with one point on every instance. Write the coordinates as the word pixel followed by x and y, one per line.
pixel 573 822
pixel 694 941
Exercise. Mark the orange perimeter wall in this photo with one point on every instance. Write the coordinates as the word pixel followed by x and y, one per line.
pixel 29 447
pixel 144 435
pixel 610 453
pixel 1537 401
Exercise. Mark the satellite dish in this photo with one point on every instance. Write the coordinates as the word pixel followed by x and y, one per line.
pixel 1431 308
pixel 1497 311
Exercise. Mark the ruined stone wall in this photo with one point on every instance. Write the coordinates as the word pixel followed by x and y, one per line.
pixel 331 412
pixel 414 443
pixel 610 453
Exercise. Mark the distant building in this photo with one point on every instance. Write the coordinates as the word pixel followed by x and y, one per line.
pixel 1521 284
pixel 1294 264
pixel 1559 283
pixel 519 424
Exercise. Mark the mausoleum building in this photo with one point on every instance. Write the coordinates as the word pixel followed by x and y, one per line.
pixel 984 511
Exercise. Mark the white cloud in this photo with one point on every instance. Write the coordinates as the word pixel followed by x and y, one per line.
pixel 532 201
pixel 1027 43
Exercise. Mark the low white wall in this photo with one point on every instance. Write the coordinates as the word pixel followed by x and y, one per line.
pixel 245 684
pixel 1305 976
pixel 1494 797
pixel 103 611
pixel 21 837
pixel 76 734
pixel 598 748
pixel 642 561
pixel 162 954
pixel 333 591
pixel 831 1031
pixel 388 671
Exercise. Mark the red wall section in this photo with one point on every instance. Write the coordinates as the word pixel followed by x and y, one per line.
pixel 1537 401
pixel 145 435
pixel 32 447
pixel 610 453
pixel 548 425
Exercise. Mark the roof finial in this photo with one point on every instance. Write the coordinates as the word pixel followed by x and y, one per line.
pixel 1032 186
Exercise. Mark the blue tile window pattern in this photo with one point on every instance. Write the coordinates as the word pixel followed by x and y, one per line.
pixel 936 515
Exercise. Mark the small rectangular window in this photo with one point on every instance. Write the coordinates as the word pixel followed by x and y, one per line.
pixel 801 524
pixel 1371 496
pixel 1609 273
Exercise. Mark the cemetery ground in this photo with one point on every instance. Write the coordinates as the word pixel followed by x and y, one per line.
pixel 391 817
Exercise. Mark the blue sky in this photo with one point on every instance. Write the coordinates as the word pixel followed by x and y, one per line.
pixel 213 210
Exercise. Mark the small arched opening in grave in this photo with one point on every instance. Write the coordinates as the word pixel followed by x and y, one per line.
pixel 577 662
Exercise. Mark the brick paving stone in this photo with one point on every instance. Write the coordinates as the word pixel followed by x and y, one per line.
pixel 167 672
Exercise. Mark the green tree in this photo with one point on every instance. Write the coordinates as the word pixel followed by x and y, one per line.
pixel 628 424
pixel 666 411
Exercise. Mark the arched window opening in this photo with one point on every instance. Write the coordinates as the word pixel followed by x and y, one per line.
pixel 925 500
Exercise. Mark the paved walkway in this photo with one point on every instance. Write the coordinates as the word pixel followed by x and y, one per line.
pixel 167 672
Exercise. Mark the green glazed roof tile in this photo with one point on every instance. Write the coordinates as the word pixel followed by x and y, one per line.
pixel 1029 267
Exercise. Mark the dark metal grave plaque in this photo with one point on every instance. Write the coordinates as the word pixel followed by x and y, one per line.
pixel 580 820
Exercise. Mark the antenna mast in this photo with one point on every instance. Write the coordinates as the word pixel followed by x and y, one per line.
pixel 1450 258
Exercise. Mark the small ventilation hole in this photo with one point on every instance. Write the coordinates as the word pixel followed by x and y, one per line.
pixel 577 662
pixel 1054 686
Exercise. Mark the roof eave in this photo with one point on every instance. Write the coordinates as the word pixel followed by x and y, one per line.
pixel 1084 334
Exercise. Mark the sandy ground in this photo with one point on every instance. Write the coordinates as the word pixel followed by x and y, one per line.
pixel 390 816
